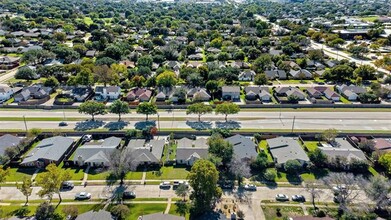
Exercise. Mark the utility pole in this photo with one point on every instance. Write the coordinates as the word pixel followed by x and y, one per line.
pixel 25 124
pixel 293 124
pixel 158 121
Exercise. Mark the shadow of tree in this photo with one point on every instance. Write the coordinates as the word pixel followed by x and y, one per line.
pixel 144 124
pixel 228 124
pixel 294 179
pixel 111 179
pixel 199 125
pixel 21 212
pixel 181 208
pixel 116 125
pixel 88 125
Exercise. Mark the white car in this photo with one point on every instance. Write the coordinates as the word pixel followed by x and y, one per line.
pixel 250 187
pixel 165 185
pixel 83 195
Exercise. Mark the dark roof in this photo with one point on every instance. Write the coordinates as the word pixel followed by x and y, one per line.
pixel 212 216
pixel 161 216
pixel 92 215
pixel 8 140
pixel 243 147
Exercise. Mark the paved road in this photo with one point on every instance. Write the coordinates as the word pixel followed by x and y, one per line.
pixel 244 120
pixel 7 76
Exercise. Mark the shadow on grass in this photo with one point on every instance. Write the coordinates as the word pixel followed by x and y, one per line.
pixel 21 212
pixel 116 125
pixel 294 179
pixel 199 125
pixel 111 179
pixel 88 125
pixel 144 124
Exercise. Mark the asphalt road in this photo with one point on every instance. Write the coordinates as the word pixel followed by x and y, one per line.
pixel 179 120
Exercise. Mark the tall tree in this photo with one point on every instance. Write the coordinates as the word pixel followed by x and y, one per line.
pixel 26 188
pixel 313 189
pixel 92 108
pixel 329 135
pixel 147 109
pixel 377 189
pixel 227 108
pixel 167 79
pixel 50 181
pixel 239 169
pixel 199 108
pixel 203 179
pixel 46 211
pixel 119 107
pixel 220 148
pixel 105 75
pixel 121 162
pixel 4 173
pixel 182 191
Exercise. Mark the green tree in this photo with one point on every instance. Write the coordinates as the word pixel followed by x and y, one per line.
pixel 261 162
pixel 25 73
pixel 70 210
pixel 262 63
pixel 51 82
pixel 120 211
pixel 292 166
pixel 329 135
pixel 182 191
pixel 199 108
pixel 145 61
pixel 366 72
pixel 270 175
pixel 203 179
pixel 4 173
pixel 26 188
pixel 260 79
pixel 167 79
pixel 46 211
pixel 384 160
pixel 220 148
pixel 318 157
pixel 92 108
pixel 227 108
pixel 105 75
pixel 119 107
pixel 51 180
pixel 146 108
pixel 212 86
pixel 84 77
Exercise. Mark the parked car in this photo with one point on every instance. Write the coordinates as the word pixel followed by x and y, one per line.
pixel 129 195
pixel 321 83
pixel 87 137
pixel 67 185
pixel 298 198
pixel 83 195
pixel 282 197
pixel 178 183
pixel 250 187
pixel 165 185
pixel 227 184
pixel 63 124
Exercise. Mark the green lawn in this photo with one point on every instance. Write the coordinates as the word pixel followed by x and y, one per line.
pixel 17 174
pixel 172 152
pixel 311 145
pixel 286 212
pixel 263 146
pixel 134 176
pixel 98 174
pixel 175 211
pixel 168 173
pixel 76 173
pixel 137 210
pixel 369 18
pixel 344 100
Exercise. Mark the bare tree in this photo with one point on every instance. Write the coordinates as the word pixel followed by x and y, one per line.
pixel 312 187
pixel 377 189
pixel 121 162
pixel 239 168
pixel 345 187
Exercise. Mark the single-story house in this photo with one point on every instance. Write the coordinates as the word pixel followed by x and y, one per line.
pixel 7 141
pixel 143 153
pixel 35 92
pixel 351 92
pixel 255 92
pixel 296 92
pixel 231 93
pixel 301 74
pixel 331 95
pixel 198 94
pixel 96 153
pixel 93 215
pixel 6 92
pixel 128 64
pixel 80 94
pixel 7 62
pixel 275 74
pixel 382 145
pixel 49 150
pixel 141 94
pixel 342 148
pixel 247 75
pixel 109 92
pixel 313 93
pixel 189 151
pixel 283 149
pixel 161 216
pixel 244 148
pixel 350 95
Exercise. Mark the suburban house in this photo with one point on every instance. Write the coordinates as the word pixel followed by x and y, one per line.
pixel 231 93
pixel 313 93
pixel 93 215
pixel 49 150
pixel 198 94
pixel 382 145
pixel 140 94
pixel 331 95
pixel 6 92
pixel 247 75
pixel 300 74
pixel 96 153
pixel 35 92
pixel 295 92
pixel 244 148
pixel 351 92
pixel 7 62
pixel 161 216
pixel 189 151
pixel 80 94
pixel 129 64
pixel 283 149
pixel 110 92
pixel 275 74
pixel 7 141
pixel 143 153
pixel 342 148
pixel 257 92
pixel 91 53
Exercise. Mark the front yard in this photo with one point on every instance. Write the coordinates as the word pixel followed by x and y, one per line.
pixel 168 173
pixel 272 213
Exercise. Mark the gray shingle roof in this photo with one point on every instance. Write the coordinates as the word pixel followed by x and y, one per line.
pixel 244 148
pixel 97 151
pixel 343 148
pixel 284 149
pixel 161 216
pixel 7 141
pixel 92 215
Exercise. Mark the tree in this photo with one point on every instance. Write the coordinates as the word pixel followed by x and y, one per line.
pixel 70 210
pixel 146 61
pixel 358 51
pixel 50 181
pixel 329 135
pixel 146 108
pixel 26 188
pixel 262 63
pixel 199 108
pixel 220 148
pixel 261 162
pixel 3 173
pixel 51 82
pixel 339 73
pixel 46 211
pixel 212 86
pixel 366 72
pixel 166 79
pixel 313 189
pixel 384 160
pixel 84 77
pixel 203 179
pixel 292 166
pixel 121 162
pixel 92 108
pixel 227 108
pixel 11 152
pixel 318 157
pixel 377 189
pixel 239 169
pixel 119 107
pixel 105 75
pixel 120 211
pixel 260 79
pixel 366 145
pixel 270 175
pixel 26 73
pixel 182 191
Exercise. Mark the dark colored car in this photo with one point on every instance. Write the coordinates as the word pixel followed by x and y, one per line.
pixel 67 185
pixel 298 198
pixel 129 195
pixel 63 124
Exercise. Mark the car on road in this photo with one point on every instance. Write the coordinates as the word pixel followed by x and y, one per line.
pixel 63 124
pixel 298 198
pixel 165 185
pixel 282 197
pixel 82 195
pixel 67 185
pixel 321 83
pixel 129 195
pixel 178 183
pixel 338 189
pixel 250 187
